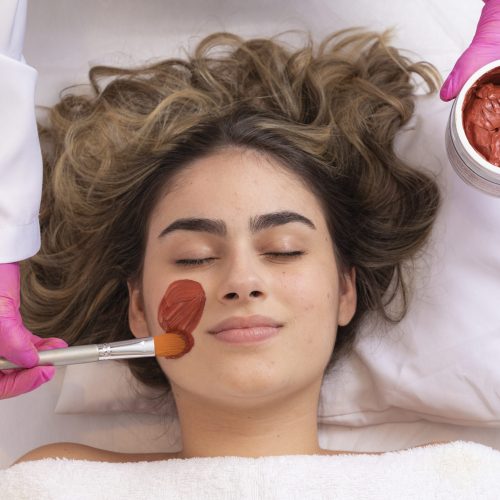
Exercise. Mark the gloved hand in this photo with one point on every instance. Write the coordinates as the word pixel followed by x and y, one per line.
pixel 484 48
pixel 18 344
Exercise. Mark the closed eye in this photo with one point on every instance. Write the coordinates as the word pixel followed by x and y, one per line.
pixel 194 262
pixel 272 255
pixel 284 255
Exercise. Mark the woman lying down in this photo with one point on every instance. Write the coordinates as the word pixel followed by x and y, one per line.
pixel 268 176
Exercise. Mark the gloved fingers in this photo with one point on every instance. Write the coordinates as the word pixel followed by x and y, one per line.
pixel 9 286
pixel 468 63
pixel 16 382
pixel 484 48
pixel 50 343
pixel 16 342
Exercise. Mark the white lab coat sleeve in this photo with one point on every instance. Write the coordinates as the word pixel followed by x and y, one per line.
pixel 20 156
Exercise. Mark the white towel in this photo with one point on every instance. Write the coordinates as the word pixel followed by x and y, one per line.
pixel 456 470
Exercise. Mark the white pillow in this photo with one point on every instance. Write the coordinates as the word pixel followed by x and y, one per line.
pixel 440 363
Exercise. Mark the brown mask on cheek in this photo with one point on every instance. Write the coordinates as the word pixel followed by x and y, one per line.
pixel 180 311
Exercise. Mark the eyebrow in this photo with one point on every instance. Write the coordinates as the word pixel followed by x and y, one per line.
pixel 219 228
pixel 277 219
pixel 212 226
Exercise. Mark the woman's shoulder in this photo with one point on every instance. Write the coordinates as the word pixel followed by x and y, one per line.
pixel 334 452
pixel 78 451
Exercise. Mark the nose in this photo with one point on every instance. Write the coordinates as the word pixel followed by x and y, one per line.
pixel 242 281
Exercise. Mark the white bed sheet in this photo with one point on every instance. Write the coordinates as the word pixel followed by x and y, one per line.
pixel 64 38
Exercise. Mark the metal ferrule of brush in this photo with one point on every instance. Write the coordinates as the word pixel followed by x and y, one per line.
pixel 126 349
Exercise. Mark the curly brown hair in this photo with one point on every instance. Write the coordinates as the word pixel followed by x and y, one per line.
pixel 328 113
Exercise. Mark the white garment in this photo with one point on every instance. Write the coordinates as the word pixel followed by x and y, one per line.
pixel 458 470
pixel 20 157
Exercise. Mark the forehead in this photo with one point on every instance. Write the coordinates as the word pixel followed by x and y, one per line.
pixel 235 183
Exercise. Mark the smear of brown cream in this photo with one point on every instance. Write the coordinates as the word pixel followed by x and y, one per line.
pixel 481 116
pixel 181 309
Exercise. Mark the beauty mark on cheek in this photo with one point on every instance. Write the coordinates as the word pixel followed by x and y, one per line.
pixel 180 311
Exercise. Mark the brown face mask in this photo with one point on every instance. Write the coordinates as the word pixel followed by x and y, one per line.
pixel 481 115
pixel 180 311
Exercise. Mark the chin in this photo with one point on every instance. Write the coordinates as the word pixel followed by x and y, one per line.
pixel 257 387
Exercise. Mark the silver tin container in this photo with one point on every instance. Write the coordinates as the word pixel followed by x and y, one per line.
pixel 470 165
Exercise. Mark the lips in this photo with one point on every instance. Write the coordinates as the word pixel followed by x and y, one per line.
pixel 248 329
pixel 238 323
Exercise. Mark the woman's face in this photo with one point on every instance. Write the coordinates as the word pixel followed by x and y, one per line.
pixel 255 237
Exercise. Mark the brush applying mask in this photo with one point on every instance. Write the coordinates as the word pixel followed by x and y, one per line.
pixel 180 311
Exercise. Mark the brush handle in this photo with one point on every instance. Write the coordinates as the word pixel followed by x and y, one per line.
pixel 58 357
pixel 74 355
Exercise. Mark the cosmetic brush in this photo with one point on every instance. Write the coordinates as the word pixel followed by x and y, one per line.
pixel 168 345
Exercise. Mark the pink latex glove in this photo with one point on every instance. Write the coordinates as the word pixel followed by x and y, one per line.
pixel 18 344
pixel 484 48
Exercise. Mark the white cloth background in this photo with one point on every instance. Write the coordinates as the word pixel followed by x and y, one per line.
pixel 63 39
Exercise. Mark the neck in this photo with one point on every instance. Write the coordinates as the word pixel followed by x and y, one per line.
pixel 287 427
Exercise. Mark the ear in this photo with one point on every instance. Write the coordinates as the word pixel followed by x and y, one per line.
pixel 136 316
pixel 347 297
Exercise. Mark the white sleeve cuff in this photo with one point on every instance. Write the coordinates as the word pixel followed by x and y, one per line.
pixel 19 242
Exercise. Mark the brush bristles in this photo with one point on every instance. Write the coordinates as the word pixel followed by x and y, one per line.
pixel 170 345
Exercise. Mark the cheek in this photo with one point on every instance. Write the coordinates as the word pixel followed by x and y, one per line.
pixel 153 293
pixel 313 298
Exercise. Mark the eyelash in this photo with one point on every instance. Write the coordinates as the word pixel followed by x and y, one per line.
pixel 199 262
pixel 286 255
pixel 194 262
